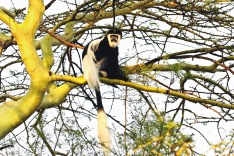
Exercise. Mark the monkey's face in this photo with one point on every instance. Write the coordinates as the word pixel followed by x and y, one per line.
pixel 113 40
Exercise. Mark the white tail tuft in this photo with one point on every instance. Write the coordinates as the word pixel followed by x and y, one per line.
pixel 103 132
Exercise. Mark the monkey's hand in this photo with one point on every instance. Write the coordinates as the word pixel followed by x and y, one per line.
pixel 122 76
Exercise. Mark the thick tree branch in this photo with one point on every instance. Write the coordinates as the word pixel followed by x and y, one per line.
pixel 16 112
pixel 169 92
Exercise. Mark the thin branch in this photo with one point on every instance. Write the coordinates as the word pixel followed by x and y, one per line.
pixel 61 39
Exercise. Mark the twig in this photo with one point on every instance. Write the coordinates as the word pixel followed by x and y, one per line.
pixel 61 39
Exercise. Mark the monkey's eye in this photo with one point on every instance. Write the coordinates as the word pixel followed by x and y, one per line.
pixel 116 36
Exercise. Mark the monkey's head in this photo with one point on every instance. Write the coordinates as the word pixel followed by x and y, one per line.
pixel 114 36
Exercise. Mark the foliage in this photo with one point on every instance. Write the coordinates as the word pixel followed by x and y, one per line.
pixel 155 137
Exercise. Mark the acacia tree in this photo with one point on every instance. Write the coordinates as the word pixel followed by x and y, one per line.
pixel 178 58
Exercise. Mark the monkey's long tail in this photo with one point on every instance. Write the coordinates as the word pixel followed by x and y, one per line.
pixel 103 129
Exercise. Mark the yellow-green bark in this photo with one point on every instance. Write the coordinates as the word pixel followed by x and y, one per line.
pixel 13 113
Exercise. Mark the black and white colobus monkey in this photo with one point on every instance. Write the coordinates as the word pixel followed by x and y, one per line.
pixel 100 58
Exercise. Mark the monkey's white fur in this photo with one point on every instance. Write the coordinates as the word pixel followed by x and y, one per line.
pixel 89 66
pixel 111 43
pixel 103 132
